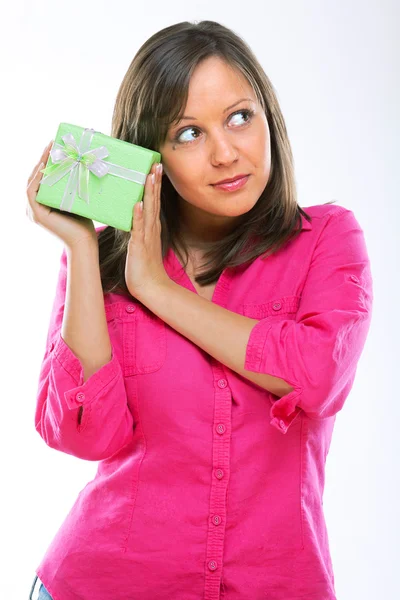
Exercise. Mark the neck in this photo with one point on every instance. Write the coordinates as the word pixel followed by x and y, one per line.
pixel 199 228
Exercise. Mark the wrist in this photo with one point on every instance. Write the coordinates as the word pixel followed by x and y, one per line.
pixel 83 244
pixel 153 292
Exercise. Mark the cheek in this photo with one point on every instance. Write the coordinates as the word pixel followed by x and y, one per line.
pixel 260 147
pixel 186 176
pixel 259 143
pixel 184 182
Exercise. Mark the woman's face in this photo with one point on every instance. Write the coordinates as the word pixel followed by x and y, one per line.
pixel 215 143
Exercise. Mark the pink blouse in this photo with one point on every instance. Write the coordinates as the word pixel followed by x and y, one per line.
pixel 209 487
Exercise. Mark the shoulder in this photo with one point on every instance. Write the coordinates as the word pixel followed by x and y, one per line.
pixel 320 212
pixel 331 216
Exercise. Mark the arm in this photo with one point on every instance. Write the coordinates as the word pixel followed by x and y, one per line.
pixel 309 362
pixel 81 404
pixel 84 326
pixel 318 352
pixel 220 332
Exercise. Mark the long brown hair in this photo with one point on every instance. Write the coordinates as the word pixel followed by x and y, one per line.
pixel 152 95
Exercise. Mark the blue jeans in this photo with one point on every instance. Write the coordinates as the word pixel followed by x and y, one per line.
pixel 43 593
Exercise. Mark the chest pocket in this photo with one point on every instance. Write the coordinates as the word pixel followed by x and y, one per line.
pixel 285 307
pixel 141 336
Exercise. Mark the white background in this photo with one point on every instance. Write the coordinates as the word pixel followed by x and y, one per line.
pixel 334 66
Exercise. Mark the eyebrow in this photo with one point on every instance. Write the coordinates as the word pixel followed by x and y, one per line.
pixel 225 110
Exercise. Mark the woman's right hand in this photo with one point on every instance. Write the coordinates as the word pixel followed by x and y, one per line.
pixel 70 228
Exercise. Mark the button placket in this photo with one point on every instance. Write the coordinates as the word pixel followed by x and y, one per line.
pixel 219 481
pixel 219 473
pixel 129 345
pixel 212 565
pixel 221 439
pixel 216 519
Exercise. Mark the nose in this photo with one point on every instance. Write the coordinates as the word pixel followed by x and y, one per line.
pixel 223 152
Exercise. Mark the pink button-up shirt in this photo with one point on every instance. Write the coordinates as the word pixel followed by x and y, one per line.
pixel 209 487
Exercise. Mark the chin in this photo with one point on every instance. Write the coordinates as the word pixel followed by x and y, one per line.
pixel 235 211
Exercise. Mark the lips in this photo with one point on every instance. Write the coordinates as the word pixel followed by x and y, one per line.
pixel 232 186
pixel 231 180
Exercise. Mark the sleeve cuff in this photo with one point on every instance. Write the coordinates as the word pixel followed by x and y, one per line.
pixel 255 345
pixel 84 392
pixel 284 410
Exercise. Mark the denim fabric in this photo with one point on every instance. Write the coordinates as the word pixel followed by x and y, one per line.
pixel 43 593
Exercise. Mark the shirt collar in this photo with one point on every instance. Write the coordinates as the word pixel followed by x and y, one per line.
pixel 304 223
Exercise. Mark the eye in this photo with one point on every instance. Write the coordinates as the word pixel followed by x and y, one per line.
pixel 181 139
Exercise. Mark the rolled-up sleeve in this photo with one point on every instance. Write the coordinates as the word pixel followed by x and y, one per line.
pixel 317 352
pixel 91 419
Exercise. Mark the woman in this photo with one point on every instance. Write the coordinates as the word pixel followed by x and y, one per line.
pixel 202 357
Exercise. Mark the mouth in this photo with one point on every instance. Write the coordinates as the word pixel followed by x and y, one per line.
pixel 232 185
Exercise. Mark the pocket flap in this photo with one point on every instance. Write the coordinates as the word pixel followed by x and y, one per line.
pixel 283 305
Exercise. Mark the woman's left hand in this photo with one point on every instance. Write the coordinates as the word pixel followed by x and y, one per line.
pixel 144 268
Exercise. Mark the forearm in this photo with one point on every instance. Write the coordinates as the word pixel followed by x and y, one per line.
pixel 218 331
pixel 84 327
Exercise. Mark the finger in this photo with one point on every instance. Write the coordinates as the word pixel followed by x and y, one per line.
pixel 137 224
pixel 156 195
pixel 43 158
pixel 34 209
pixel 158 190
pixel 33 185
pixel 148 198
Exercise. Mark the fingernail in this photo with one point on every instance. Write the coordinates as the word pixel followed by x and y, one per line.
pixel 159 168
pixel 153 178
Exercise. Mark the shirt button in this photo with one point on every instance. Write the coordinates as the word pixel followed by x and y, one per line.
pixel 222 383
pixel 277 306
pixel 216 520
pixel 282 424
pixel 130 308
pixel 212 565
pixel 354 278
pixel 220 428
pixel 219 473
pixel 80 397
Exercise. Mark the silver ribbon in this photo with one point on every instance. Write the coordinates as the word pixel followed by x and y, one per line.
pixel 79 161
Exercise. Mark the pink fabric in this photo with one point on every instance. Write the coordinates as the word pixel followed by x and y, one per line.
pixel 208 486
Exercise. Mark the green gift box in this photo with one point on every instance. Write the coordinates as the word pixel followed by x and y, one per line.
pixel 94 175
